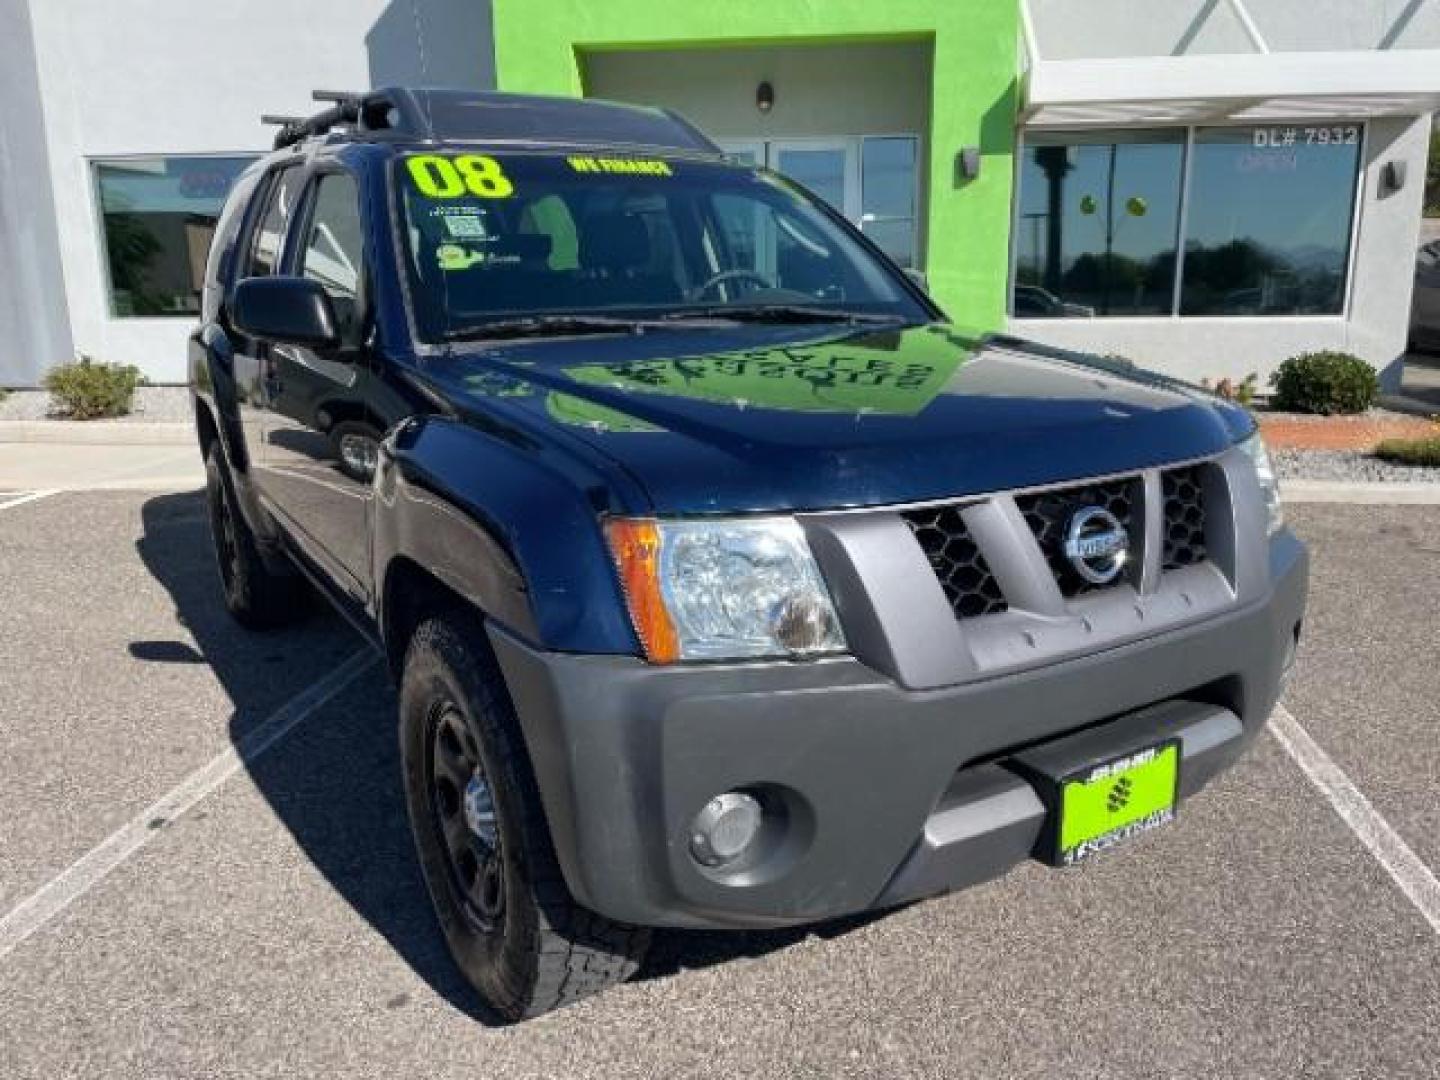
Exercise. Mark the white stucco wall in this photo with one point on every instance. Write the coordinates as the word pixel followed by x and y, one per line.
pixel 1070 29
pixel 125 77
pixel 1381 283
pixel 34 323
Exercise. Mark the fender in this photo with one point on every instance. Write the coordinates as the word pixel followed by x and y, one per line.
pixel 499 527
pixel 212 385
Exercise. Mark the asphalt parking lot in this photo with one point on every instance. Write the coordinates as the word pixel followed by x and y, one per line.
pixel 169 910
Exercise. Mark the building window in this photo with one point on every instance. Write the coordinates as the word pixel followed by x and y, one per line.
pixel 873 180
pixel 1268 229
pixel 1097 224
pixel 889 167
pixel 158 218
pixel 1267 215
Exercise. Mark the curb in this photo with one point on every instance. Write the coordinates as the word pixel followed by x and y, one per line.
pixel 1374 493
pixel 99 432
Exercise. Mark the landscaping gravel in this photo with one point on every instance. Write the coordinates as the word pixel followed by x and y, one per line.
pixel 152 403
pixel 1346 465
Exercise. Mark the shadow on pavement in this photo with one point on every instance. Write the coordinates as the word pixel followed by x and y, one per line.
pixel 334 781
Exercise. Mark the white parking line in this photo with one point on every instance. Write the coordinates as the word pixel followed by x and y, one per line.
pixel 1400 862
pixel 29 497
pixel 91 868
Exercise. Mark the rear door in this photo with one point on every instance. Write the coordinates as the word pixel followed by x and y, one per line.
pixel 260 257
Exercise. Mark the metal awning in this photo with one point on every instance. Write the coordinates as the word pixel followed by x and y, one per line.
pixel 1255 87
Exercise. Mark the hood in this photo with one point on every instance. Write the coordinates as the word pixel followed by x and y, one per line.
pixel 795 418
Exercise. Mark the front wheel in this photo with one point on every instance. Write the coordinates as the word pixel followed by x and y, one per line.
pixel 511 924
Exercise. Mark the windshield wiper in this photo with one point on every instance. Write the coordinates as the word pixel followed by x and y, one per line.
pixel 786 313
pixel 548 325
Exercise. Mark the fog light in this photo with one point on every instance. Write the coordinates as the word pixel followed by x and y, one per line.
pixel 724 828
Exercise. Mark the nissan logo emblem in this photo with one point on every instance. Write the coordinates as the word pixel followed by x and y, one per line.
pixel 1097 545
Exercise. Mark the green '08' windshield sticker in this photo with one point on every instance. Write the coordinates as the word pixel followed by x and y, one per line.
pixel 444 177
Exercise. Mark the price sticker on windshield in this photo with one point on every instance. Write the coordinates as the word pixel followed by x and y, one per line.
pixel 440 177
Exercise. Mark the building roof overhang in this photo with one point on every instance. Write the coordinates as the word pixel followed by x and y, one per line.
pixel 1242 88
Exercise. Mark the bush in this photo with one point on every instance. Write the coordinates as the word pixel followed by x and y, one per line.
pixel 89 391
pixel 1324 382
pixel 1432 178
pixel 1424 451
pixel 1242 393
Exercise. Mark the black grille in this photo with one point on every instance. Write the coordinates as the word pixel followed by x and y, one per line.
pixel 968 583
pixel 1184 517
pixel 1048 514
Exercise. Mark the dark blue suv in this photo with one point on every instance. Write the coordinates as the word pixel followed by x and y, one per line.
pixel 726 583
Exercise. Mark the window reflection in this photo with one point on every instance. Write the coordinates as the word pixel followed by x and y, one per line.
pixel 888 170
pixel 159 216
pixel 1269 215
pixel 1097 224
pixel 1268 232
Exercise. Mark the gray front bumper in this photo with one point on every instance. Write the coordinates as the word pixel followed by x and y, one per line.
pixel 893 793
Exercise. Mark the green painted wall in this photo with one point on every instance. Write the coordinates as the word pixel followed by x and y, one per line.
pixel 540 45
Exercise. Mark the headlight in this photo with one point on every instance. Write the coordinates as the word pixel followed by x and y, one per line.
pixel 719 590
pixel 1254 448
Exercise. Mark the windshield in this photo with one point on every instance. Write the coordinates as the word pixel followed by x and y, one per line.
pixel 493 238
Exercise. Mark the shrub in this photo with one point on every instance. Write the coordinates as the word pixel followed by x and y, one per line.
pixel 1242 393
pixel 1432 178
pixel 1423 451
pixel 1324 382
pixel 89 391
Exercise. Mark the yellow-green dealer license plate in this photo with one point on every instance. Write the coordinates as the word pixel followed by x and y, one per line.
pixel 1108 804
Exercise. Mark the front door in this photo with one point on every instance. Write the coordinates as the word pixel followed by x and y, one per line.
pixel 873 180
pixel 324 422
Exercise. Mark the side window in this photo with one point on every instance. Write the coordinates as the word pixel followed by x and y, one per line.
pixel 221 260
pixel 269 234
pixel 334 251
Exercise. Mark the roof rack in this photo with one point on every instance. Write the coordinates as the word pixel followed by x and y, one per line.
pixel 372 110
pixel 435 113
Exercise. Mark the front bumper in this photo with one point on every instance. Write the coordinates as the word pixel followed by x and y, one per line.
pixel 888 793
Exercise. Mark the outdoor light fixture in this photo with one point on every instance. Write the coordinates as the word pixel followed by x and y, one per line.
pixel 765 97
pixel 1392 178
pixel 967 163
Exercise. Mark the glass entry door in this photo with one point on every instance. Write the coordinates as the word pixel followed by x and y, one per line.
pixel 872 180
pixel 829 169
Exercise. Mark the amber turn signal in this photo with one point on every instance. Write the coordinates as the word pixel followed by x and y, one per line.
pixel 635 546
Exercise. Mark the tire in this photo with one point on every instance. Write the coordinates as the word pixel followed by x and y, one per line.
pixel 511 924
pixel 256 596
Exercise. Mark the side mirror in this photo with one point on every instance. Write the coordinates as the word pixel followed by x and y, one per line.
pixel 287 310
pixel 919 280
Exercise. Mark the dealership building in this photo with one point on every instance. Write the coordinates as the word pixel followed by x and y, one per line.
pixel 1204 186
